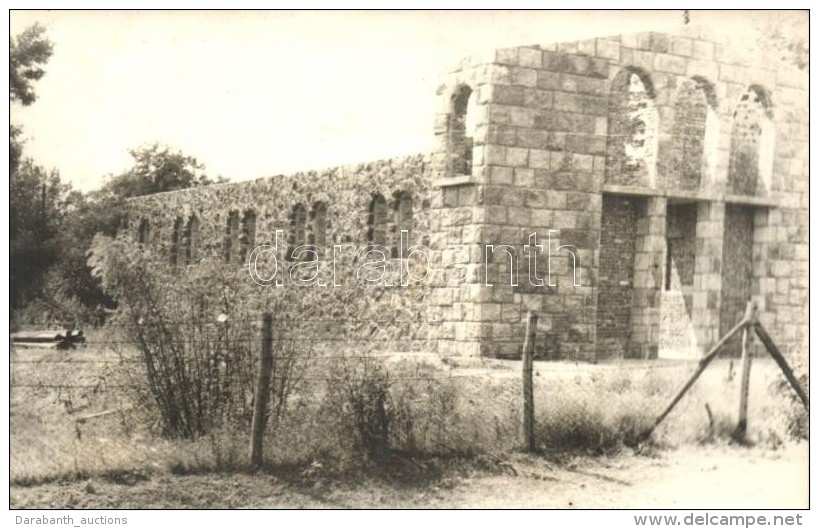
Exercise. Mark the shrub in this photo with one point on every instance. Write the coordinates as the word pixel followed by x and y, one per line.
pixel 795 416
pixel 197 332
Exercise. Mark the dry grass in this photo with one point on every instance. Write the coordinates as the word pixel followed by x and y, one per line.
pixel 438 410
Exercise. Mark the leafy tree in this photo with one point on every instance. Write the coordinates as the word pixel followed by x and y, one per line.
pixel 28 53
pixel 15 148
pixel 786 33
pixel 37 209
pixel 64 284
pixel 157 169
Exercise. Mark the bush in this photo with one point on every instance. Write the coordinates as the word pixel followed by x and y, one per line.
pixel 597 415
pixel 795 417
pixel 198 335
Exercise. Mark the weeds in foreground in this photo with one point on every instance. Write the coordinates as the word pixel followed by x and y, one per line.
pixel 346 415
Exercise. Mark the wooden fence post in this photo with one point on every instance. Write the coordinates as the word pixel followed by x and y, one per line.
pixel 703 363
pixel 745 378
pixel 782 363
pixel 261 397
pixel 528 390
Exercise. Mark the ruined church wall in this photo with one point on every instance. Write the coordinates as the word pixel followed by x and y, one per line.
pixel 345 191
pixel 551 124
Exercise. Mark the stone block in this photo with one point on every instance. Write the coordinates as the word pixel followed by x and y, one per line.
pixel 524 76
pixel 643 59
pixel 538 99
pixel 636 41
pixel 524 177
pixel 507 56
pixel 608 49
pixel 682 46
pixel 659 42
pixel 530 57
pixel 555 61
pixel 564 220
pixel 519 216
pixel 586 47
pixel 539 159
pixel 583 163
pixel 495 155
pixel 506 95
pixel 500 175
pixel 523 117
pixel 670 63
pixel 580 103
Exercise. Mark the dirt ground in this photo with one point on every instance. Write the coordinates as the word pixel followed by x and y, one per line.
pixel 690 477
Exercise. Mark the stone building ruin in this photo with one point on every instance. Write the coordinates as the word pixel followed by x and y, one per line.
pixel 673 168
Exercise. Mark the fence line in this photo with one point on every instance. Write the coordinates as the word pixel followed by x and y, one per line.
pixel 540 367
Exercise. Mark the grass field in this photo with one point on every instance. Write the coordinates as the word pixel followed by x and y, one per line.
pixel 76 431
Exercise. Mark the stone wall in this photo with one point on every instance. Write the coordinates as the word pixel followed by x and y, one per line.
pixel 555 140
pixel 326 208
pixel 618 244
pixel 736 272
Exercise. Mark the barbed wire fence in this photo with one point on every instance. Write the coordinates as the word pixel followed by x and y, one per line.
pixel 362 340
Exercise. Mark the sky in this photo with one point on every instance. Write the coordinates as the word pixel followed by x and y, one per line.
pixel 253 94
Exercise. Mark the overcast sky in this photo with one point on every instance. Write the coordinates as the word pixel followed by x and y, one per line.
pixel 262 93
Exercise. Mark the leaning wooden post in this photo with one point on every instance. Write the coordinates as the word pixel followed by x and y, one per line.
pixel 703 363
pixel 528 390
pixel 262 393
pixel 745 379
pixel 783 364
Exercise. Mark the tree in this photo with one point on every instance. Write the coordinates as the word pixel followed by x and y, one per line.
pixel 157 169
pixel 37 210
pixel 786 34
pixel 28 53
pixel 63 284
pixel 15 148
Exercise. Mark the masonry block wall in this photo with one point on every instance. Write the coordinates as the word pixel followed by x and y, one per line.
pixel 665 178
pixel 618 245
pixel 680 119
pixel 677 334
pixel 219 225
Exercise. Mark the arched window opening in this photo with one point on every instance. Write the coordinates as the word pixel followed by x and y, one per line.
pixel 752 141
pixel 298 229
pixel 232 236
pixel 191 240
pixel 377 220
pixel 318 226
pixel 144 232
pixel 691 121
pixel 632 131
pixel 461 130
pixel 176 240
pixel 403 222
pixel 247 240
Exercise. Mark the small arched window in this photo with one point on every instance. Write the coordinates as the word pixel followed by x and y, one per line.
pixel 632 131
pixel 176 240
pixel 298 229
pixel 232 237
pixel 144 232
pixel 403 222
pixel 461 130
pixel 752 142
pixel 191 240
pixel 691 112
pixel 377 220
pixel 318 228
pixel 247 240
